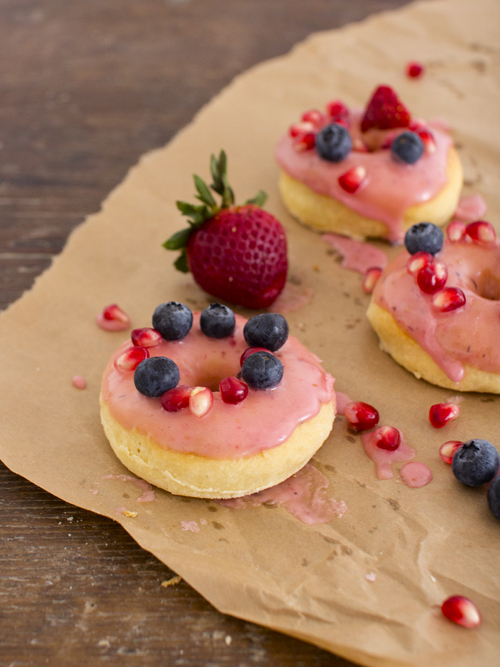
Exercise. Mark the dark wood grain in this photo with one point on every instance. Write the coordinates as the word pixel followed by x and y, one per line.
pixel 85 89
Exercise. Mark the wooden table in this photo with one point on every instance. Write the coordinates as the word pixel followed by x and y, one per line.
pixel 85 89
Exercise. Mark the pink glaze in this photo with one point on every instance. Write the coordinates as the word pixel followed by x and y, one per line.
pixel 342 401
pixel 468 335
pixel 391 187
pixel 371 576
pixel 416 474
pixel 292 298
pixel 79 382
pixel 470 208
pixel 384 458
pixel 265 419
pixel 111 325
pixel 191 526
pixel 302 495
pixel 148 494
pixel 357 256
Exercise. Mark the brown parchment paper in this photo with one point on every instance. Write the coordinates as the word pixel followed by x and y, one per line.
pixel 260 564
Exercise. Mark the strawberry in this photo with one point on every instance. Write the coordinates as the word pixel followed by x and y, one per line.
pixel 385 111
pixel 235 253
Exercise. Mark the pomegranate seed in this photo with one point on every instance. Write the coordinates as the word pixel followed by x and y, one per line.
pixel 249 351
pixel 353 179
pixel 428 141
pixel 432 277
pixel 455 231
pixel 462 611
pixel 177 398
pixel 359 145
pixel 414 70
pixel 418 261
pixel 442 413
pixel 370 279
pixel 417 125
pixel 146 337
pixel 387 437
pixel 200 401
pixel 447 450
pixel 233 390
pixel 481 232
pixel 113 318
pixel 361 416
pixel 131 358
pixel 315 117
pixel 337 111
pixel 448 299
pixel 304 142
pixel 300 128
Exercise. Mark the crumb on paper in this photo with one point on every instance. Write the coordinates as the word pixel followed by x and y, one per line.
pixel 371 576
pixel 171 582
pixel 132 515
pixel 191 526
pixel 433 579
pixel 203 522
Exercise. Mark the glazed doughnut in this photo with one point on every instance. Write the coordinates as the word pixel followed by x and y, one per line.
pixel 234 449
pixel 367 190
pixel 443 325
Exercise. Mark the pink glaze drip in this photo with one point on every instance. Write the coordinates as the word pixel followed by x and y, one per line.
pixel 470 208
pixel 383 458
pixel 302 495
pixel 357 256
pixel 190 526
pixel 342 401
pixel 391 188
pixel 416 474
pixel 265 419
pixel 468 335
pixel 79 382
pixel 292 298
pixel 111 325
pixel 148 494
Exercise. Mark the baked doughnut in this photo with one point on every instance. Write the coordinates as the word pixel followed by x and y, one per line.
pixel 212 434
pixel 437 310
pixel 371 173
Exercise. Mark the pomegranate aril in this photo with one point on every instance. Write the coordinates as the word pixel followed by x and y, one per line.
pixel 249 351
pixel 304 142
pixel 300 128
pixel 337 111
pixel 315 117
pixel 370 279
pixel 455 231
pixel 448 299
pixel 428 141
pixel 462 611
pixel 232 390
pixel 481 232
pixel 146 337
pixel 361 416
pixel 414 70
pixel 432 277
pixel 131 358
pixel 352 179
pixel 200 401
pixel 387 437
pixel 418 261
pixel 442 413
pixel 448 449
pixel 177 398
pixel 417 125
pixel 113 318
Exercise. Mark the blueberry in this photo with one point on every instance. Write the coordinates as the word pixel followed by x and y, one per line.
pixel 333 143
pixel 424 236
pixel 156 375
pixel 407 147
pixel 494 497
pixel 217 321
pixel 173 320
pixel 475 462
pixel 262 370
pixel 269 330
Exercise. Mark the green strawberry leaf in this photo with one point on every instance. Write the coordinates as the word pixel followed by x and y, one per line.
pixel 259 199
pixel 204 194
pixel 220 185
pixel 178 240
pixel 181 262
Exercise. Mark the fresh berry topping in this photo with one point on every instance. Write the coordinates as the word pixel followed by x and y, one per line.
pixel 494 497
pixel 268 330
pixel 146 337
pixel 300 128
pixel 113 318
pixel 475 462
pixel 442 413
pixel 217 321
pixel 201 401
pixel 173 320
pixel 418 261
pixel 407 147
pixel 351 180
pixel 315 117
pixel 251 350
pixel 338 112
pixel 387 437
pixel 414 70
pixel 304 142
pixel 361 416
pixel 384 111
pixel 448 299
pixel 432 277
pixel 462 611
pixel 428 141
pixel 359 146
pixel 333 142
pixel 481 232
pixel 156 375
pixel 456 231
pixel 424 236
pixel 417 125
pixel 262 370
pixel 177 398
pixel 131 358
pixel 448 449
pixel 370 279
pixel 233 390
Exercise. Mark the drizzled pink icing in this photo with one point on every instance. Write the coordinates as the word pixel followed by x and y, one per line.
pixel 416 474
pixel 356 255
pixel 265 419
pixel 470 208
pixel 148 494
pixel 384 458
pixel 468 335
pixel 391 188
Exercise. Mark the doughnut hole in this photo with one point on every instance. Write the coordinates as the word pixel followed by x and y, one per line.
pixel 209 372
pixel 488 285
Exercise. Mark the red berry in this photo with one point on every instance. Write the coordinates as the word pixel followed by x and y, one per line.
pixel 177 398
pixel 448 299
pixel 113 318
pixel 418 261
pixel 417 125
pixel 352 179
pixel 300 128
pixel 462 611
pixel 361 416
pixel 359 145
pixel 201 400
pixel 432 277
pixel 385 111
pixel 481 232
pixel 428 141
pixel 456 231
pixel 370 279
pixel 131 358
pixel 249 351
pixel 305 141
pixel 448 449
pixel 442 413
pixel 338 112
pixel 146 337
pixel 233 390
pixel 387 437
pixel 315 117
pixel 414 70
